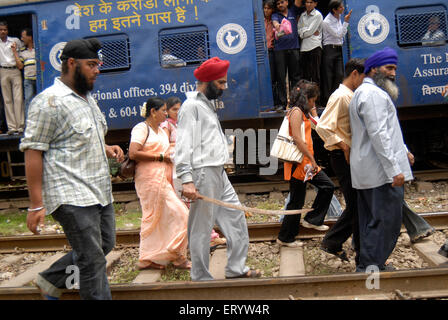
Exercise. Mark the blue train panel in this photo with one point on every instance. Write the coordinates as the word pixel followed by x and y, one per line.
pixel 418 31
pixel 151 48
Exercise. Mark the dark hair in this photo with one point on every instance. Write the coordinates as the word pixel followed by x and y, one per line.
pixel 28 31
pixel 64 67
pixel 4 23
pixel 354 64
pixel 153 103
pixel 334 4
pixel 171 102
pixel 269 3
pixel 299 98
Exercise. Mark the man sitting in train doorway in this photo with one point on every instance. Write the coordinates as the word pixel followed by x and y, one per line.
pixel 201 152
pixel 379 163
pixel 67 173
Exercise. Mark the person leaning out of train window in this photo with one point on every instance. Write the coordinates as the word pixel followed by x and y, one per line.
pixel 434 36
pixel 303 103
pixel 163 234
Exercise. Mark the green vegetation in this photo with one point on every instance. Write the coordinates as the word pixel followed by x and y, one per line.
pixel 13 221
pixel 266 205
pixel 173 274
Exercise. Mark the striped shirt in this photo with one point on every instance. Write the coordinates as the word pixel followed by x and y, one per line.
pixel 28 58
pixel 70 131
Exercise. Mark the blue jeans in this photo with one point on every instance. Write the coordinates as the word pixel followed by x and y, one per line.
pixel 414 224
pixel 29 91
pixel 91 234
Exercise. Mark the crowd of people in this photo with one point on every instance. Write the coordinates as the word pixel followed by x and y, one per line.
pixel 311 49
pixel 17 87
pixel 181 146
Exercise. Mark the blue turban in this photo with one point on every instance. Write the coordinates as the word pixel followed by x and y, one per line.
pixel 381 58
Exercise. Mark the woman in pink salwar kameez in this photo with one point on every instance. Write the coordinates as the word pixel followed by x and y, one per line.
pixel 163 234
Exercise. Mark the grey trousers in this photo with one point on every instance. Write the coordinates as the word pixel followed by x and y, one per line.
pixel 213 182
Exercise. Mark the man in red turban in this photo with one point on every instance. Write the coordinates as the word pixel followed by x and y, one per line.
pixel 201 152
pixel 212 76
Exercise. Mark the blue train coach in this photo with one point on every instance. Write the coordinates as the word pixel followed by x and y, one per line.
pixel 151 48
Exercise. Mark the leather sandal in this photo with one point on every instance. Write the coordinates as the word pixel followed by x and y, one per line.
pixel 340 254
pixel 151 265
pixel 186 265
pixel 249 274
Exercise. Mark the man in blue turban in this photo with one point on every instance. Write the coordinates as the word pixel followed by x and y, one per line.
pixel 378 161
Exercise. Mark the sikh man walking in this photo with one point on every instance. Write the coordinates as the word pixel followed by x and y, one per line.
pixel 378 160
pixel 201 152
pixel 68 173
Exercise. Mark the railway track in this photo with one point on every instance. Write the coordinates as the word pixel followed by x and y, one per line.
pixel 428 283
pixel 131 238
pixel 431 283
pixel 17 197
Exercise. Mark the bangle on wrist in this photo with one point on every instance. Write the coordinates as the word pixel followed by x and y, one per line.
pixel 35 209
pixel 161 157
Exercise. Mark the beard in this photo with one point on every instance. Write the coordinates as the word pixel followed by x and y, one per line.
pixel 387 84
pixel 82 86
pixel 212 92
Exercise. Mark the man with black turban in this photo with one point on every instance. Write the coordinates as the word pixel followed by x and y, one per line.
pixel 378 160
pixel 67 173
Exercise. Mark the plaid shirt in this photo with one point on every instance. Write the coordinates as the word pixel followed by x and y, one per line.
pixel 70 131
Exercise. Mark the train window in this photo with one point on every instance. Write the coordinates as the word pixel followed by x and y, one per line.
pixel 425 25
pixel 115 52
pixel 183 46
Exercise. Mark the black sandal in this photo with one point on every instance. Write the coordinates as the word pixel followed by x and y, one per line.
pixel 340 254
pixel 249 274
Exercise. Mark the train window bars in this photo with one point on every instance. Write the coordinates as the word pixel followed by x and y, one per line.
pixel 115 53
pixel 182 47
pixel 422 26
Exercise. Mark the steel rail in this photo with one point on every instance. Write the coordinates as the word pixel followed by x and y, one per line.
pixel 20 193
pixel 415 284
pixel 131 238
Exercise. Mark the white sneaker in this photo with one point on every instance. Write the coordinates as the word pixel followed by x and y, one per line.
pixel 312 226
pixel 294 244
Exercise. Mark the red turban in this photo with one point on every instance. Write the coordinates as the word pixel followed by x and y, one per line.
pixel 212 69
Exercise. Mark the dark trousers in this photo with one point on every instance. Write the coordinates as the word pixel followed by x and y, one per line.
pixel 310 64
pixel 347 224
pixel 415 225
pixel 90 231
pixel 332 70
pixel 273 77
pixel 380 216
pixel 297 188
pixel 286 61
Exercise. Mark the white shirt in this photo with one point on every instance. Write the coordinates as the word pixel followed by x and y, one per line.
pixel 200 139
pixel 307 26
pixel 6 56
pixel 378 152
pixel 333 30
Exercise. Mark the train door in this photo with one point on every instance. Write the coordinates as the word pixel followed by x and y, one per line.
pixel 11 160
